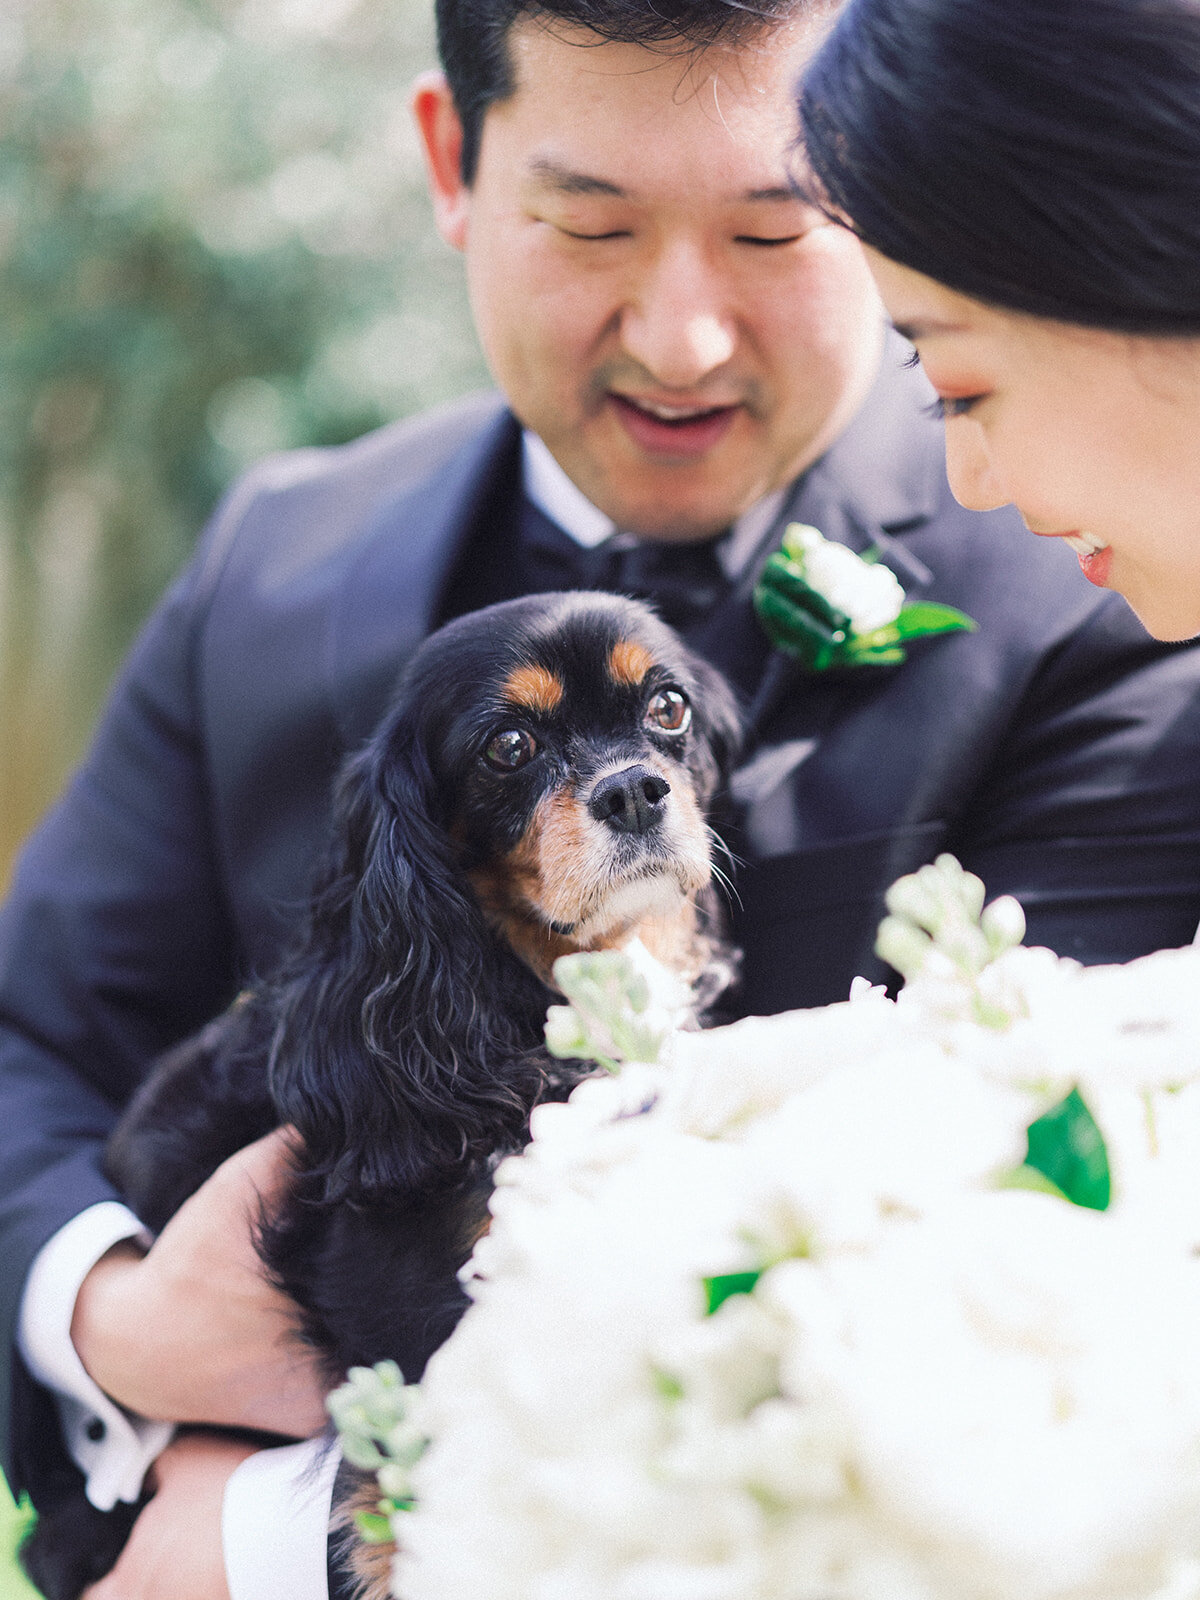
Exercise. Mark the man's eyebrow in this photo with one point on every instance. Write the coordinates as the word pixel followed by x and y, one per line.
pixel 568 181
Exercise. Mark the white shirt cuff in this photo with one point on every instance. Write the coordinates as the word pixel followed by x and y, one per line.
pixel 112 1447
pixel 275 1523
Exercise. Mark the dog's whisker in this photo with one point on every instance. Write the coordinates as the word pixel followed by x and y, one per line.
pixel 718 847
pixel 727 884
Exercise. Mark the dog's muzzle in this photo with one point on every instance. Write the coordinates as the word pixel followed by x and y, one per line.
pixel 631 801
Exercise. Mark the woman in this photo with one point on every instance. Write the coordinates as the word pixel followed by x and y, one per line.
pixel 1025 175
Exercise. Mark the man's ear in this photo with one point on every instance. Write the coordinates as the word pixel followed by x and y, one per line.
pixel 441 135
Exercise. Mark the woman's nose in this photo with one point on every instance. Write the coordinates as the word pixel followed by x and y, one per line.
pixel 974 481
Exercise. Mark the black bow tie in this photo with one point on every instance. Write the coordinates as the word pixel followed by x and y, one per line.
pixel 682 581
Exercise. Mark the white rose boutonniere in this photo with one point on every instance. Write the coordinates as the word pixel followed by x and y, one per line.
pixel 825 606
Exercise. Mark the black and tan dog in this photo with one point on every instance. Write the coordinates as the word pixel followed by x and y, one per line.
pixel 540 786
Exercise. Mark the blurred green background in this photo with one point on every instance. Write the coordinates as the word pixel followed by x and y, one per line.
pixel 12 1582
pixel 214 242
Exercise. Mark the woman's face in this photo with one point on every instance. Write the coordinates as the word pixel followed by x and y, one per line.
pixel 1093 436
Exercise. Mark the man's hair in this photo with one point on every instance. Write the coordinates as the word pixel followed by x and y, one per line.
pixel 1042 155
pixel 473 40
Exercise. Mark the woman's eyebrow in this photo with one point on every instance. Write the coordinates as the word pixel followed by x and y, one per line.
pixel 922 327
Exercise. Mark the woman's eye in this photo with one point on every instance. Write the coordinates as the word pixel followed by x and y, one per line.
pixel 944 409
pixel 669 711
pixel 510 750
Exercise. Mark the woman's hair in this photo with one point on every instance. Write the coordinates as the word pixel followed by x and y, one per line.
pixel 1042 155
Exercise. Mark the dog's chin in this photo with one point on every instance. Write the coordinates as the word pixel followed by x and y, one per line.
pixel 650 895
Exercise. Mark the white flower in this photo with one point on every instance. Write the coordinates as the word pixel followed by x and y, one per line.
pixel 918 1385
pixel 1020 1393
pixel 894 1135
pixel 723 1080
pixel 868 593
pixel 1133 1027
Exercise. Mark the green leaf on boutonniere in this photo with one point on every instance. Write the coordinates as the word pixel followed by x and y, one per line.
pixel 1066 1146
pixel 826 606
pixel 922 618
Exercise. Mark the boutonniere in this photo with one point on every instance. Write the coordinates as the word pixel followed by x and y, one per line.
pixel 825 606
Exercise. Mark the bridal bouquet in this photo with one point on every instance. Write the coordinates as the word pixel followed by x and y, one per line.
pixel 891 1300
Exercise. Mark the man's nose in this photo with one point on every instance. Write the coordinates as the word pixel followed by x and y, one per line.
pixel 974 481
pixel 679 325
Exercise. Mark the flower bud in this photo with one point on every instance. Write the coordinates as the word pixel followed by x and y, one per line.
pixel 566 1036
pixel 963 887
pixel 903 946
pixel 918 898
pixel 1003 924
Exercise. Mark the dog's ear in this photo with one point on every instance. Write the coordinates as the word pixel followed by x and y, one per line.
pixel 394 1056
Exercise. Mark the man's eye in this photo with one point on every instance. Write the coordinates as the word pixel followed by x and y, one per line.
pixel 510 750
pixel 669 711
pixel 766 240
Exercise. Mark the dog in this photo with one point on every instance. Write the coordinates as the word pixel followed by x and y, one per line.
pixel 539 786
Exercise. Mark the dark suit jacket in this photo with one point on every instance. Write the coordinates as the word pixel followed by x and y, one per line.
pixel 1056 750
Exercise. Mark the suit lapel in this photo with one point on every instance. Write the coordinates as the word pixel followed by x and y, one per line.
pixel 390 599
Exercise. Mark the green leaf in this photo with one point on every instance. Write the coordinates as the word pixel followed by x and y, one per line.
pixel 667 1384
pixel 723 1287
pixel 926 617
pixel 1066 1146
pixel 1026 1177
pixel 860 654
pixel 374 1527
pixel 796 632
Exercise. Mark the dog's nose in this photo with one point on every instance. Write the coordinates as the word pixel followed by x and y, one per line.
pixel 630 801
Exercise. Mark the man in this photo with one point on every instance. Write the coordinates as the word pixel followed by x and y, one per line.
pixel 696 358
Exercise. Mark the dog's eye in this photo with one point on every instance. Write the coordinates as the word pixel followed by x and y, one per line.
pixel 510 749
pixel 669 710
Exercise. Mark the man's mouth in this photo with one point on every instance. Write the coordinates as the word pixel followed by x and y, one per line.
pixel 661 428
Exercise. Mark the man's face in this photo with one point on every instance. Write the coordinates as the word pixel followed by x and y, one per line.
pixel 683 334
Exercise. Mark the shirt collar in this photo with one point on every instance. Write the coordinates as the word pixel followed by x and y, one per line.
pixel 554 494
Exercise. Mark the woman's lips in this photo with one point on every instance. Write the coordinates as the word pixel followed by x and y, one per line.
pixel 1095 557
pixel 668 430
pixel 1096 565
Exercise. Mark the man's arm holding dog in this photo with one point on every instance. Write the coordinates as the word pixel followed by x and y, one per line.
pixel 192 1331
pixel 220 1347
pixel 175 1547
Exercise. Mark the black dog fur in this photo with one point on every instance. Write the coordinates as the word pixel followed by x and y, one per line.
pixel 403 1038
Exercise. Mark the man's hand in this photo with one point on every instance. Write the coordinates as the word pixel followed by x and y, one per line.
pixel 193 1331
pixel 175 1547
